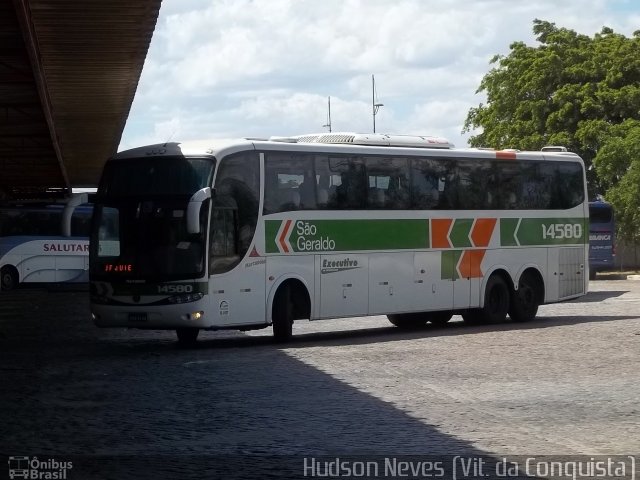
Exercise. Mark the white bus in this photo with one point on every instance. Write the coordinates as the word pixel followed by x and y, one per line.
pixel 264 232
pixel 45 242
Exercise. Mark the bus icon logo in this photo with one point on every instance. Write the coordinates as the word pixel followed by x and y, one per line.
pixel 18 467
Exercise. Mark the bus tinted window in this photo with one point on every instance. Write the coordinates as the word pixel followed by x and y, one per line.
pixel 352 187
pixel 377 182
pixel 388 182
pixel 30 222
pixel 473 187
pixel 289 183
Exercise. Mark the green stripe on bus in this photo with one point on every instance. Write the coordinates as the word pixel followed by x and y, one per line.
pixel 543 231
pixel 345 235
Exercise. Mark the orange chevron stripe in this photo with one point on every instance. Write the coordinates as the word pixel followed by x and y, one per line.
pixel 440 232
pixel 482 231
pixel 283 236
pixel 469 266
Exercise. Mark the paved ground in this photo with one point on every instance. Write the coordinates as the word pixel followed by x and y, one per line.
pixel 566 383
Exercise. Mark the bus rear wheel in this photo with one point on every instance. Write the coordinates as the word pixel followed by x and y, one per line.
pixel 187 337
pixel 526 300
pixel 408 320
pixel 8 278
pixel 496 303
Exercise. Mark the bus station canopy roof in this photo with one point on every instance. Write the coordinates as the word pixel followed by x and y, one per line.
pixel 69 70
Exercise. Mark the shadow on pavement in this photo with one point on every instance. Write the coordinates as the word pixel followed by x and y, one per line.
pixel 598 296
pixel 149 410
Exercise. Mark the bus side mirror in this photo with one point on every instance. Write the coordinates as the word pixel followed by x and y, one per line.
pixel 193 209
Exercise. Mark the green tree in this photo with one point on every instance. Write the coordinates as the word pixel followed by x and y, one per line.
pixel 617 164
pixel 573 90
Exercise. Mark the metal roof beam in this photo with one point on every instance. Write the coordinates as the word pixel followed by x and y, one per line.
pixel 23 14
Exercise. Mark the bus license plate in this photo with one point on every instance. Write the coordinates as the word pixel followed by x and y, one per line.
pixel 138 317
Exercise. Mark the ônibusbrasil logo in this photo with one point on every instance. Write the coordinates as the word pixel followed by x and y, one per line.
pixel 34 468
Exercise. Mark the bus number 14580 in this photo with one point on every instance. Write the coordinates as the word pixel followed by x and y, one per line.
pixel 562 230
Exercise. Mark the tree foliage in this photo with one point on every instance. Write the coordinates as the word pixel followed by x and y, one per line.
pixel 573 90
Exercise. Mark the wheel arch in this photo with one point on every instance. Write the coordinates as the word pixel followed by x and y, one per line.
pixel 300 292
pixel 502 272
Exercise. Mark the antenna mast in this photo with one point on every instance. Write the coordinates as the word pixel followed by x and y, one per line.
pixel 328 124
pixel 375 106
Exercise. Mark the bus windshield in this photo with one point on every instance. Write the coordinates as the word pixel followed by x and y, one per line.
pixel 599 214
pixel 146 239
pixel 139 228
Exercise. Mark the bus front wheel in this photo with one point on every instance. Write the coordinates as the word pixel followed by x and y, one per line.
pixel 187 336
pixel 8 278
pixel 283 315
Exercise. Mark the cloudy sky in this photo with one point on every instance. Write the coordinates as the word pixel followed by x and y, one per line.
pixel 255 68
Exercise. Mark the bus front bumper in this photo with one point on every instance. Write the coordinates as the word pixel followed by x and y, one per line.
pixel 169 317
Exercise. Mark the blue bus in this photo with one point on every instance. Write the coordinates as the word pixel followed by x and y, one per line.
pixel 45 242
pixel 601 237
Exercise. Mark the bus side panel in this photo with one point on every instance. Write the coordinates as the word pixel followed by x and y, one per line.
pixel 344 285
pixel 72 268
pixel 238 296
pixel 38 268
pixel 432 287
pixel 391 283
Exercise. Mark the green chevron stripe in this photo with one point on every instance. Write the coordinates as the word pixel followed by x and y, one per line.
pixel 459 234
pixel 508 232
pixel 448 263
